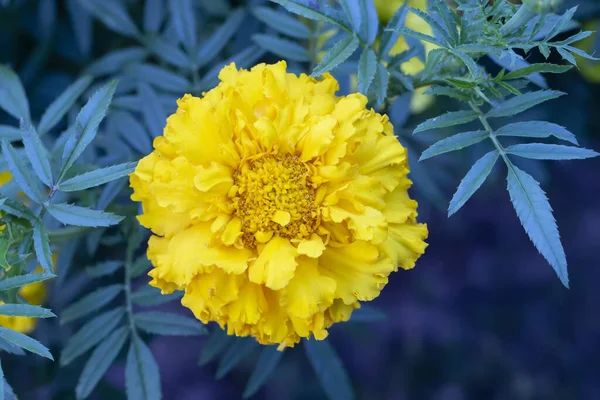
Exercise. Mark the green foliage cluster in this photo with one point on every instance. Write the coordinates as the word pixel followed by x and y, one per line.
pixel 72 161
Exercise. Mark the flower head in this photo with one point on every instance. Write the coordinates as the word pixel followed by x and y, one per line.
pixel 276 205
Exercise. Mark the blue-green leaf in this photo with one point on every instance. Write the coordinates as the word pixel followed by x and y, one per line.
pixel 390 35
pixel 368 314
pixel 560 24
pixel 82 26
pixel 158 77
pixel 282 47
pixel 18 209
pixel 113 14
pixel 543 151
pixel 21 173
pixel 308 12
pixel 8 392
pixel 219 39
pixel 70 214
pixel 536 129
pixel 115 61
pixel 90 303
pixel 267 361
pixel 22 280
pixel 103 268
pixel 13 99
pixel 7 346
pixel 448 91
pixel 59 107
pixel 25 342
pixel 110 192
pixel 518 104
pixel 453 143
pixel 367 67
pixel 451 118
pixel 37 154
pixel 337 55
pixel 153 111
pixel 353 14
pixel 184 20
pixel 168 51
pixel 217 342
pixel 25 310
pixel 132 131
pixel 99 362
pixel 142 378
pixel 329 369
pixel 380 83
pixel 150 296
pixel 369 22
pixel 9 133
pixel 241 348
pixel 41 244
pixel 282 22
pixel 87 122
pixel 164 323
pixel 537 68
pixel 140 266
pixel 97 177
pixel 153 15
pixel 472 181
pixel 417 35
pixel 534 211
pixel 91 334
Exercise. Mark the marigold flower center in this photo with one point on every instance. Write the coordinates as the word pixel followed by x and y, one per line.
pixel 274 197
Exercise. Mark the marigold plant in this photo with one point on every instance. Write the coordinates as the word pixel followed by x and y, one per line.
pixel 276 205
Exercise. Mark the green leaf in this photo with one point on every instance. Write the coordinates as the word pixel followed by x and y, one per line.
pixel 103 269
pixel 474 69
pixel 22 280
pixel 25 310
pixel 390 34
pixel 450 21
pixel 97 177
pixel 113 14
pixel 9 133
pixel 451 118
pixel 281 47
pixel 437 29
pixel 448 91
pixel 154 114
pixel 87 122
pixel 266 364
pixel 59 107
pixel 380 83
pixel 37 154
pixel 518 104
pixel 566 55
pixel 41 244
pixel 132 131
pixel 282 22
pixel 168 51
pixel 17 209
pixel 352 11
pixel 8 392
pixel 308 12
pixel 336 55
pixel 543 151
pixel 417 35
pixel 160 78
pixel 534 211
pixel 153 15
pixel 11 348
pixel 560 24
pixel 369 22
pixel 140 266
pixel 433 63
pixel 116 60
pixel 164 323
pixel 91 334
pixel 472 181
pixel 13 99
pixel 536 129
pixel 368 314
pixel 367 67
pixel 25 342
pixel 453 143
pixel 217 342
pixel 21 173
pixel 184 21
pixel 241 348
pixel 4 245
pixel 329 369
pixel 100 361
pixel 219 39
pixel 90 303
pixel 70 214
pixel 150 296
pixel 537 68
pixel 142 378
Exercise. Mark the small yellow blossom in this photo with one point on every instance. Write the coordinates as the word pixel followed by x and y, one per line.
pixel 276 205
pixel 34 293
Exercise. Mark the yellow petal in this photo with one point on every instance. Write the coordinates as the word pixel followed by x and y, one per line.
pixel 217 178
pixel 232 231
pixel 275 265
pixel 249 306
pixel 405 244
pixel 308 292
pixel 312 248
pixel 281 217
pixel 318 139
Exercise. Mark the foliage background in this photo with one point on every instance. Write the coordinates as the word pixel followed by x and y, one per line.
pixel 481 316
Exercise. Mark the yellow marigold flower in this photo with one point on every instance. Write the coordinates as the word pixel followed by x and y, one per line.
pixel 276 205
pixel 385 11
pixel 34 293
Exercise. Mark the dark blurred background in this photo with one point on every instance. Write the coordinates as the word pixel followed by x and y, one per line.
pixel 482 316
